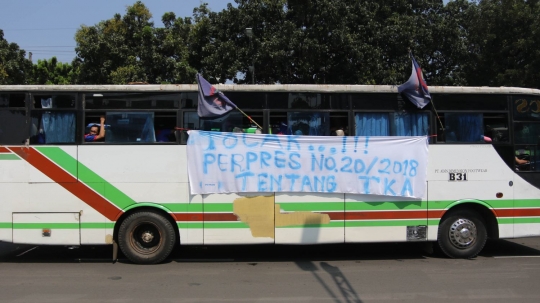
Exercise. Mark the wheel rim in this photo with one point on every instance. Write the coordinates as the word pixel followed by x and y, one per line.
pixel 146 238
pixel 463 233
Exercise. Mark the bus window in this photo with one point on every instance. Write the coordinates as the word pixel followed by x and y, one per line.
pixel 372 124
pixel 12 100
pixel 52 127
pixel 229 122
pixel 13 127
pixel 394 124
pixel 132 127
pixel 54 101
pixel 308 123
pixel 460 127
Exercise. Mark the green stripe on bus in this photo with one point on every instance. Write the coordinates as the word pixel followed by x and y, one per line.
pixel 183 207
pixel 6 225
pixel 61 158
pixel 312 206
pixel 225 225
pixel 433 221
pixel 190 225
pixel 527 203
pixel 97 225
pixel 331 224
pixel 9 157
pixel 525 220
pixel 218 207
pixel 440 205
pixel 393 205
pixel 46 225
pixel 385 223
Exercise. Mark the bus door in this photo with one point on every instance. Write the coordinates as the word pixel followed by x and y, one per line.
pixel 527 168
pixel 309 218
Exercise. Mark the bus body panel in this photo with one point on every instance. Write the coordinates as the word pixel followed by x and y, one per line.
pixel 371 218
pixel 243 218
pixel 309 218
pixel 527 208
pixel 46 228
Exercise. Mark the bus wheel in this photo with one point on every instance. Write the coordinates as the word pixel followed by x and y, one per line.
pixel 146 237
pixel 462 234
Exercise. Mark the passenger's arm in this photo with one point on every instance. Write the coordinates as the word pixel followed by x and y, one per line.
pixel 101 134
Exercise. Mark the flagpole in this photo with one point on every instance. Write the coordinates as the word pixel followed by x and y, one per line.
pixel 437 114
pixel 252 121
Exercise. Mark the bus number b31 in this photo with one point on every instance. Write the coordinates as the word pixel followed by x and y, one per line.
pixel 457 177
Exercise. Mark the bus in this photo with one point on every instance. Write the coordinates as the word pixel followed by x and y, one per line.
pixel 132 189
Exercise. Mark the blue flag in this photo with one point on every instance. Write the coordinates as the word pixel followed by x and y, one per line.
pixel 212 103
pixel 416 88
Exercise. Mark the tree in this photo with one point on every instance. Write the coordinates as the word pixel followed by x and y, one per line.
pixel 14 67
pixel 53 72
pixel 130 49
pixel 328 42
pixel 504 36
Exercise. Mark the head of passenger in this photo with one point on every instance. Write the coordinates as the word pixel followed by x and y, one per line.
pixel 94 130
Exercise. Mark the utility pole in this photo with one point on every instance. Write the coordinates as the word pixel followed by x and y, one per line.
pixel 249 33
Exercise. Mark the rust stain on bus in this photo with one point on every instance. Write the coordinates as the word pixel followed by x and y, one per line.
pixel 262 216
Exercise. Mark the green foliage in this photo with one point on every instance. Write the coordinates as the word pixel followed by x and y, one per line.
pixel 484 42
pixel 14 67
pixel 504 38
pixel 129 48
pixel 53 72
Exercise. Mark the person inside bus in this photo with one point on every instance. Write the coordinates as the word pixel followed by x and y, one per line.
pixel 96 133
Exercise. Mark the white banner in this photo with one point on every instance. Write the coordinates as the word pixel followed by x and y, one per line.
pixel 237 162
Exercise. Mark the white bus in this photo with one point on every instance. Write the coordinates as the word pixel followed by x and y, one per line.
pixel 132 189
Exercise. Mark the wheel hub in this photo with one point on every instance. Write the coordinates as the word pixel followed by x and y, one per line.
pixel 463 233
pixel 147 236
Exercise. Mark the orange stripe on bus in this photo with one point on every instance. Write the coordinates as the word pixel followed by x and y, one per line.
pixel 70 183
pixel 4 150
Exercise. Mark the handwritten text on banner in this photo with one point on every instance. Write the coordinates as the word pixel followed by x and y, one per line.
pixel 238 162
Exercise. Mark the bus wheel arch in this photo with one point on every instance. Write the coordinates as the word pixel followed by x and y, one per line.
pixel 146 235
pixel 465 228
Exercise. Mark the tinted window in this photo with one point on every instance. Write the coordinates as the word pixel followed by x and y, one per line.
pixel 130 127
pixel 231 122
pixel 245 100
pixel 51 127
pixel 470 102
pixel 12 100
pixel 375 101
pixel 54 101
pixel 526 108
pixel 132 101
pixel 13 127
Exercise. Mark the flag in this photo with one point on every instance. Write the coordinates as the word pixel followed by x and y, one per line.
pixel 211 103
pixel 416 88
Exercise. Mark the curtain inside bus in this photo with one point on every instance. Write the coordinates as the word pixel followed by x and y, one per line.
pixel 372 124
pixel 397 124
pixel 463 127
pixel 53 127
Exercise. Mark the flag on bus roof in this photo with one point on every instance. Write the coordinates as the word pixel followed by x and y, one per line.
pixel 212 103
pixel 415 89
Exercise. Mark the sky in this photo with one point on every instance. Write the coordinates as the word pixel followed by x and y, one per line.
pixel 47 27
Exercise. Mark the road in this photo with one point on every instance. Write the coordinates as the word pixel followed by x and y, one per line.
pixel 403 272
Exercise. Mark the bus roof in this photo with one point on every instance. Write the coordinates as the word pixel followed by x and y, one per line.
pixel 306 88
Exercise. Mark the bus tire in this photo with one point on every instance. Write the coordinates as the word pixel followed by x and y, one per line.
pixel 462 234
pixel 146 237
